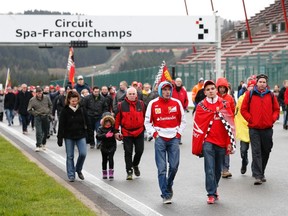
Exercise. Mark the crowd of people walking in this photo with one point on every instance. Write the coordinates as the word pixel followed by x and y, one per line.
pixel 101 116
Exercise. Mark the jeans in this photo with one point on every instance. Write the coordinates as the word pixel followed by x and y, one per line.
pixel 261 145
pixel 82 152
pixel 244 146
pixel 162 150
pixel 10 116
pixel 213 160
pixel 41 125
pixel 138 142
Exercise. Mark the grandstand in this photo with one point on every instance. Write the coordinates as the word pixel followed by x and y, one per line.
pixel 268 35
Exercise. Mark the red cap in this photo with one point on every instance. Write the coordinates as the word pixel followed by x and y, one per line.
pixel 134 83
pixel 51 87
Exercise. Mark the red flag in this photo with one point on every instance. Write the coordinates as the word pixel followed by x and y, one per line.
pixel 163 74
pixel 8 81
pixel 71 66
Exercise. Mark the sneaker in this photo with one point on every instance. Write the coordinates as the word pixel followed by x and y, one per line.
pixel 92 146
pixel 37 149
pixel 129 175
pixel 243 169
pixel 71 179
pixel 167 200
pixel 98 145
pixel 264 179
pixel 80 175
pixel 226 174
pixel 211 200
pixel 136 170
pixel 257 182
pixel 44 147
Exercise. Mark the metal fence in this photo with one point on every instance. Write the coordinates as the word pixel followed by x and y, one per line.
pixel 275 65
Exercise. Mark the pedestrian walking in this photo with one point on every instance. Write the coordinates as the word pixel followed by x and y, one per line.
pixel 242 131
pixel 165 121
pixel 22 99
pixel 260 109
pixel 213 136
pixel 223 92
pixel 40 106
pixel 130 118
pixel 105 134
pixel 9 103
pixel 74 128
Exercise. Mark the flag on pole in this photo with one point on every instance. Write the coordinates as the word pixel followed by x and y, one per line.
pixel 163 74
pixel 8 81
pixel 71 66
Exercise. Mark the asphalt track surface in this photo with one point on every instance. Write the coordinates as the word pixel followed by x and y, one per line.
pixel 141 196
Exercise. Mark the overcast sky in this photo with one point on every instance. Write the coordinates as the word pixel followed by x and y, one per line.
pixel 228 9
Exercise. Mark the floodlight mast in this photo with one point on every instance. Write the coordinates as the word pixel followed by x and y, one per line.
pixel 218 45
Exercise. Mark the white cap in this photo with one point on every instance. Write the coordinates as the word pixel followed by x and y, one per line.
pixel 79 77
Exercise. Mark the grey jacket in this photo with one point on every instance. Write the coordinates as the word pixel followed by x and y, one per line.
pixel 38 107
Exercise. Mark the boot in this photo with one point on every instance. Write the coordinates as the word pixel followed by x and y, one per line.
pixel 104 174
pixel 111 174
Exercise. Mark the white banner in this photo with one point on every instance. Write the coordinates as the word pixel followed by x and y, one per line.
pixel 22 29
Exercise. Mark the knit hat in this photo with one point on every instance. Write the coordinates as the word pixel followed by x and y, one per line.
pixel 262 76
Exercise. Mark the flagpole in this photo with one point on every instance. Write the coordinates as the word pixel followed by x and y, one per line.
pixel 7 80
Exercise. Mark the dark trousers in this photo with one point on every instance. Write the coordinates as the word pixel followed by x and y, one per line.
pixel 41 125
pixel 95 124
pixel 244 146
pixel 261 145
pixel 107 157
pixel 138 142
pixel 25 122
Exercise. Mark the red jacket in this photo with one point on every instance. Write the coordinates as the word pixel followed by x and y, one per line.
pixel 262 110
pixel 202 117
pixel 182 96
pixel 286 97
pixel 223 82
pixel 130 117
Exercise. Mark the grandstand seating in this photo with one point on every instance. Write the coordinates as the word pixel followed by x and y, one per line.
pixel 263 40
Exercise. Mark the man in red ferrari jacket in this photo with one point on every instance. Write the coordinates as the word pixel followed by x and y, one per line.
pixel 260 109
pixel 130 118
pixel 165 120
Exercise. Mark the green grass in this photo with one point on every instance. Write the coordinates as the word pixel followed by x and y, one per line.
pixel 25 189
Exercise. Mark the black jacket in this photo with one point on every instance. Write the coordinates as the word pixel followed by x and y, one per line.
pixel 9 100
pixel 95 106
pixel 108 145
pixel 22 101
pixel 72 125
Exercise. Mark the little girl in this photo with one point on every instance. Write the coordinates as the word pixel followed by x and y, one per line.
pixel 105 134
